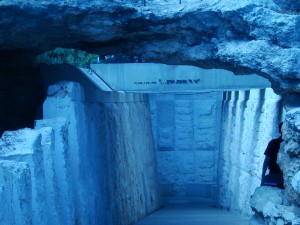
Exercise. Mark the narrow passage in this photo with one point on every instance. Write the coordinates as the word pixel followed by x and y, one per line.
pixel 200 212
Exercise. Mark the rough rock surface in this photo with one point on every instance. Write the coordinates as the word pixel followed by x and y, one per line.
pixel 247 127
pixel 296 182
pixel 280 214
pixel 263 195
pixel 289 155
pixel 244 36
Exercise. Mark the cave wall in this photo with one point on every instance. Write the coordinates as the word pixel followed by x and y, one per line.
pixel 249 121
pixel 289 154
pixel 272 205
pixel 186 133
pixel 89 161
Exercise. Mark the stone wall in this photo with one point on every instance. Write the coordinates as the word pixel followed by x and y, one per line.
pixel 89 161
pixel 186 133
pixel 249 121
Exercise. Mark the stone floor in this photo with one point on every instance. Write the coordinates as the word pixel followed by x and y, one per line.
pixel 189 212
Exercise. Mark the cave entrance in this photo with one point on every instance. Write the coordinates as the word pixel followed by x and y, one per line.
pixel 21 97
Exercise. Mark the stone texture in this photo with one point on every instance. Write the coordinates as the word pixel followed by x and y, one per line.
pixel 296 182
pixel 187 162
pixel 281 215
pixel 249 121
pixel 83 164
pixel 247 36
pixel 263 195
pixel 289 155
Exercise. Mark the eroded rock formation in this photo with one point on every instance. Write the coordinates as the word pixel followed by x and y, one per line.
pixel 290 153
pixel 244 36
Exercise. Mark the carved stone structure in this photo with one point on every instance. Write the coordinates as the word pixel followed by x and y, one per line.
pixel 247 36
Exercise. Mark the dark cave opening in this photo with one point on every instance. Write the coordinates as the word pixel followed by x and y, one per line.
pixel 22 94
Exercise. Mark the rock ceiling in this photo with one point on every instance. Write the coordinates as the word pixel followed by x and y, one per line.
pixel 242 36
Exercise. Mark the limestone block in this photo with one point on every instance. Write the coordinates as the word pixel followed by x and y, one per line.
pixel 280 214
pixel 175 167
pixel 34 148
pixel 205 139
pixel 296 182
pixel 184 107
pixel 204 123
pixel 59 169
pixel 263 195
pixel 165 139
pixel 205 159
pixel 184 136
pixel 204 107
pixel 129 147
pixel 205 175
pixel 15 193
pixel 293 119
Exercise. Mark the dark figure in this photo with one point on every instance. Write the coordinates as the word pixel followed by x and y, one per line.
pixel 275 176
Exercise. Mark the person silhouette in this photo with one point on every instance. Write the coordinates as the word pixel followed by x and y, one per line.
pixel 275 177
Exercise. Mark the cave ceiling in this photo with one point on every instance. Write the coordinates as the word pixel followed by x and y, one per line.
pixel 243 36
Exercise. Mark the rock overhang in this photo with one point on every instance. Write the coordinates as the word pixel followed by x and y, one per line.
pixel 244 37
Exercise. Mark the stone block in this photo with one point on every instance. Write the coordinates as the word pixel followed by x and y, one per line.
pixel 205 159
pixel 296 182
pixel 204 107
pixel 15 193
pixel 263 195
pixel 205 123
pixel 166 112
pixel 166 138
pixel 182 119
pixel 184 102
pixel 200 190
pixel 205 140
pixel 207 176
pixel 185 145
pixel 280 214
